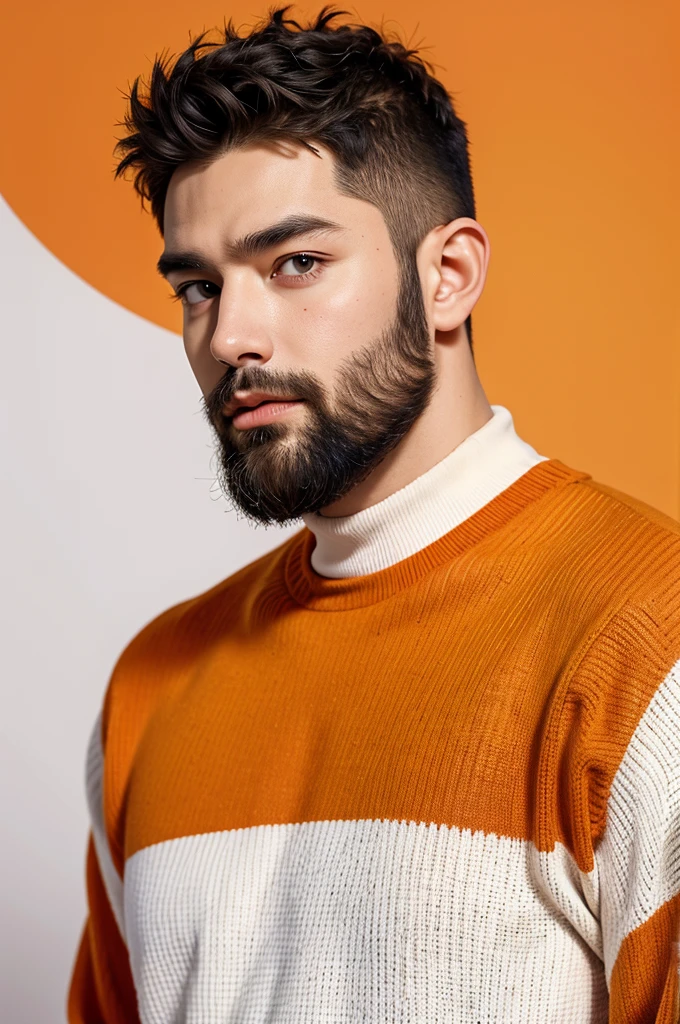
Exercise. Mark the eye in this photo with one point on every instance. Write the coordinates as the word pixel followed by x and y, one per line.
pixel 193 292
pixel 299 265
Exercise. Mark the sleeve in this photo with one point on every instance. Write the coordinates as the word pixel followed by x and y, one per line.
pixel 101 990
pixel 609 777
pixel 638 867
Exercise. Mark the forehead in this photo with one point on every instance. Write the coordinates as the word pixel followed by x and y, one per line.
pixel 255 185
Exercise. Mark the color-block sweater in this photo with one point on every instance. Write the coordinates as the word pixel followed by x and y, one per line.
pixel 437 782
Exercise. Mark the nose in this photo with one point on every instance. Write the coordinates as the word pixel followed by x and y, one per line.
pixel 241 335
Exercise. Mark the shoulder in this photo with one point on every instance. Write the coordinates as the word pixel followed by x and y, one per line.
pixel 606 548
pixel 641 551
pixel 624 681
pixel 632 513
pixel 168 645
pixel 617 699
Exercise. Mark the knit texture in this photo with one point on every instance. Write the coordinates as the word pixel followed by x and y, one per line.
pixel 447 791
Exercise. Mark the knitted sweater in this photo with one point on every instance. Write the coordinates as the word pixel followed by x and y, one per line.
pixel 443 790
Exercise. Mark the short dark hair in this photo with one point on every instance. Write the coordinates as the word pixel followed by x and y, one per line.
pixel 372 102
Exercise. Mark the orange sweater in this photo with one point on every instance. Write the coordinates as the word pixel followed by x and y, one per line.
pixel 445 791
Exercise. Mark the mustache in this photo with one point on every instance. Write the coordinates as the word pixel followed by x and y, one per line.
pixel 255 378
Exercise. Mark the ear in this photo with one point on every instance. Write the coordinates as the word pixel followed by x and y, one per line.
pixel 453 259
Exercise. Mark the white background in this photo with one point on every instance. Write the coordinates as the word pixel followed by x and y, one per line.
pixel 110 514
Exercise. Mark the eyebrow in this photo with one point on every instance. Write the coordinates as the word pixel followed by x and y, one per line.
pixel 252 244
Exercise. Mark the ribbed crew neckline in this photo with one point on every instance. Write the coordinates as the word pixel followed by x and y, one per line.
pixel 320 593
pixel 479 468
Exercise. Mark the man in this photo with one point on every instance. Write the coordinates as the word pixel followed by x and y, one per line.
pixel 421 762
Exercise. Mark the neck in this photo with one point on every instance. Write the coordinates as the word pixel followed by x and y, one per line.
pixel 481 467
pixel 457 409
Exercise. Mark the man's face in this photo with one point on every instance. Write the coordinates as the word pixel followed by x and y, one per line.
pixel 295 293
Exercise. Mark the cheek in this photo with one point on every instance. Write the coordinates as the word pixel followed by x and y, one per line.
pixel 351 311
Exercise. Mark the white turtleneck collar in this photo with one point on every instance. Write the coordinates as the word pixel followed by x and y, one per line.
pixel 483 465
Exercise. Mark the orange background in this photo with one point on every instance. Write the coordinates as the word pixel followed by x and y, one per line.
pixel 572 114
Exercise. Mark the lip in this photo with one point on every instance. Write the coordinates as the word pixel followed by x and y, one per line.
pixel 246 418
pixel 248 399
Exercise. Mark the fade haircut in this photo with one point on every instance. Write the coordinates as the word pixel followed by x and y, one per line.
pixel 375 104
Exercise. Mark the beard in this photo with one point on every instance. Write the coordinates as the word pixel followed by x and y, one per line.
pixel 275 473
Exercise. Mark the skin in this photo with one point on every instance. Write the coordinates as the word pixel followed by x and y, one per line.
pixel 271 310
